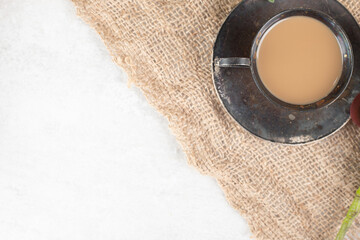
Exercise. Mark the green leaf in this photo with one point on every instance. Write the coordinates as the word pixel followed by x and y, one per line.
pixel 272 1
pixel 354 210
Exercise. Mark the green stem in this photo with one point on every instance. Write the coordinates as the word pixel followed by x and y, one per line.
pixel 350 216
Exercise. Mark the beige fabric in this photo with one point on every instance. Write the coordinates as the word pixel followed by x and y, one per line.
pixel 285 192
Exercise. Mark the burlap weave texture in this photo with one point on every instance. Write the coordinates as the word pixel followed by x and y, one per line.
pixel 285 192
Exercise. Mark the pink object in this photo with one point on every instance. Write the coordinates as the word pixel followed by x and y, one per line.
pixel 355 110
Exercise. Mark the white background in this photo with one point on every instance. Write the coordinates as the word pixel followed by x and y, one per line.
pixel 82 156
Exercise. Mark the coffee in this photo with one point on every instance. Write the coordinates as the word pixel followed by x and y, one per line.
pixel 299 60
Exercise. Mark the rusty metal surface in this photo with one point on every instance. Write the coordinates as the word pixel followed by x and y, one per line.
pixel 242 98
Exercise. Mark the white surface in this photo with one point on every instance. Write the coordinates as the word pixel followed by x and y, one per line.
pixel 81 155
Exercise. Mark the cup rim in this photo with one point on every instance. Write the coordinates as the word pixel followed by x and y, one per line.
pixel 346 50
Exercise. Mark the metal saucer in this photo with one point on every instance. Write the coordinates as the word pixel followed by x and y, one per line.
pixel 244 101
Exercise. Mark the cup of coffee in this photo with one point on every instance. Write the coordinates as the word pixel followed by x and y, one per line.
pixel 300 59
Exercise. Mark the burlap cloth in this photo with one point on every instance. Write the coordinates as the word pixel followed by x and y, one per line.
pixel 285 192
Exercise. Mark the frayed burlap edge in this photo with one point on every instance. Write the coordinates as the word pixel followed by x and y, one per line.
pixel 226 164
